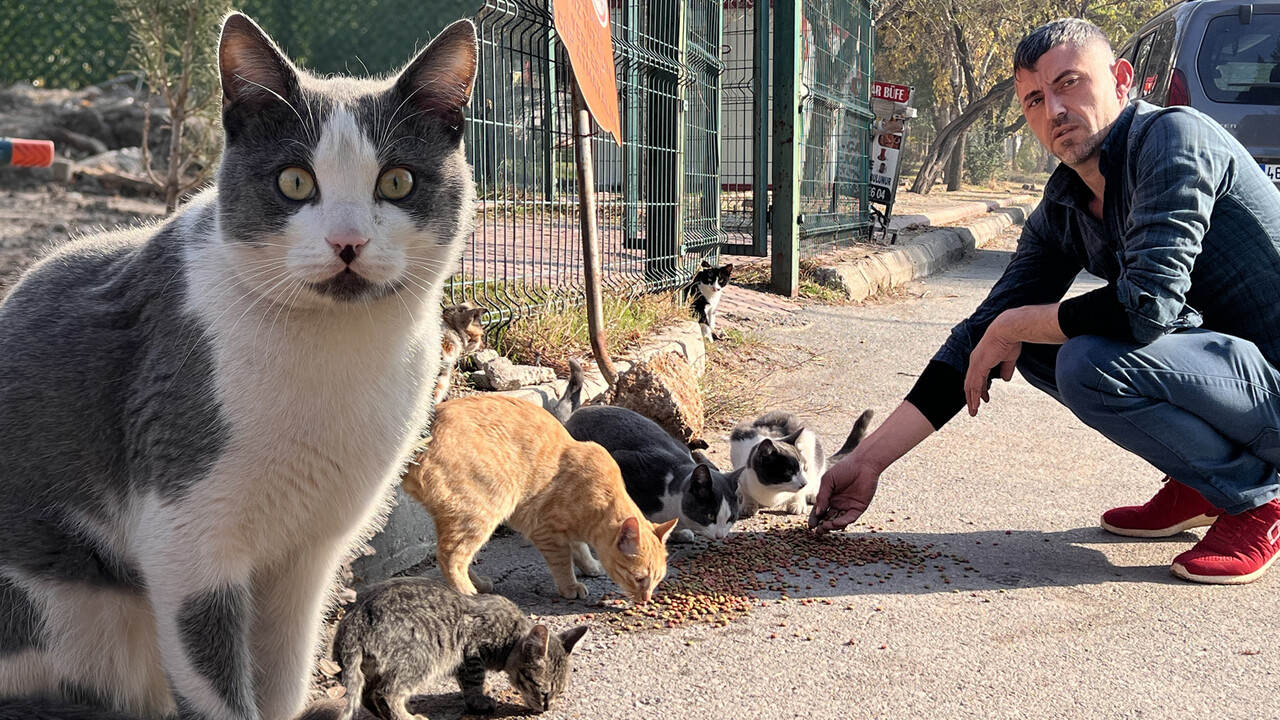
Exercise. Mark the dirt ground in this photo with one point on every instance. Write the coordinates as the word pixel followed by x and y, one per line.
pixel 35 218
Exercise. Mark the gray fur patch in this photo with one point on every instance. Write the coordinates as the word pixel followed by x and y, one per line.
pixel 212 627
pixel 21 624
pixel 107 392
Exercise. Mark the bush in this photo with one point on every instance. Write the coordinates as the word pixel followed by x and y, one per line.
pixel 983 153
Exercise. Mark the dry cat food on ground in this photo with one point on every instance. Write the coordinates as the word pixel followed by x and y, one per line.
pixel 723 581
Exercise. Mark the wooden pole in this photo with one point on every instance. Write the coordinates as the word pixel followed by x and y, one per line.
pixel 590 242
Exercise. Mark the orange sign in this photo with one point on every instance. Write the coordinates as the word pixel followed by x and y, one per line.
pixel 583 25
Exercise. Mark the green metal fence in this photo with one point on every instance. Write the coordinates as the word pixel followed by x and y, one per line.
pixel 75 43
pixel 836 117
pixel 796 129
pixel 657 194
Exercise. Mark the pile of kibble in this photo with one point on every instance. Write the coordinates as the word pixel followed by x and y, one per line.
pixel 724 581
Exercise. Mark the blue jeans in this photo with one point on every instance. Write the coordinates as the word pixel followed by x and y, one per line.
pixel 1201 406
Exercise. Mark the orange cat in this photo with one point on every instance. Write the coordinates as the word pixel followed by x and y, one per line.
pixel 493 459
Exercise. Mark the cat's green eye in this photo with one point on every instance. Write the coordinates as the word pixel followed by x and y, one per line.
pixel 395 184
pixel 296 183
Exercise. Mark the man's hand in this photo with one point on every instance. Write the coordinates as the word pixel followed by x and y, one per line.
pixel 1002 344
pixel 848 486
pixel 995 348
pixel 845 493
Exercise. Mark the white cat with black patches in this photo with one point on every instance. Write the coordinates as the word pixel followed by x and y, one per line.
pixel 201 417
pixel 778 461
pixel 705 293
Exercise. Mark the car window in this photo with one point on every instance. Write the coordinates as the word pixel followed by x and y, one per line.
pixel 1241 63
pixel 1139 65
pixel 1153 83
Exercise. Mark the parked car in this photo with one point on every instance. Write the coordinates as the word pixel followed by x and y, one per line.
pixel 1221 57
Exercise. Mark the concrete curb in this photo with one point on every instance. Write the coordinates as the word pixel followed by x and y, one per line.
pixel 923 255
pixel 963 211
pixel 408 537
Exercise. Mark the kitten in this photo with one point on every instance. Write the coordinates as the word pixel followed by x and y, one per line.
pixel 660 474
pixel 705 292
pixel 494 459
pixel 462 335
pixel 202 417
pixel 778 461
pixel 407 633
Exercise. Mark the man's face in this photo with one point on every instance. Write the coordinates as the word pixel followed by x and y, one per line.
pixel 1072 98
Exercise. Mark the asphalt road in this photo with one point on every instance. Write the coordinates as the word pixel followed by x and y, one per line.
pixel 1056 619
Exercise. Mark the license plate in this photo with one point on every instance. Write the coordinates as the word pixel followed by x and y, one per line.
pixel 1272 171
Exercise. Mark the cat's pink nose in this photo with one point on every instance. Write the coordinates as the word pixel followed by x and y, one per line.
pixel 346 244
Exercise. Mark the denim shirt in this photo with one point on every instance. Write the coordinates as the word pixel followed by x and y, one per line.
pixel 1190 236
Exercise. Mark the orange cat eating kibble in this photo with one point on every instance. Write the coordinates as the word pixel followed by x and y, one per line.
pixel 494 459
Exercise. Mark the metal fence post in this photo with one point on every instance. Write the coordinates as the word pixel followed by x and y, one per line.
pixel 631 133
pixel 664 176
pixel 760 133
pixel 785 272
pixel 549 118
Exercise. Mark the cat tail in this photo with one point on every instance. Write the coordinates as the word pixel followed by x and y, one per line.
pixel 352 679
pixel 572 398
pixel 855 436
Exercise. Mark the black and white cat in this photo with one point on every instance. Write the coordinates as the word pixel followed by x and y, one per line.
pixel 704 293
pixel 201 417
pixel 778 461
pixel 406 633
pixel 660 474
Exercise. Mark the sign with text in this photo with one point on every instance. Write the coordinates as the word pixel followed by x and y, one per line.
pixel 583 26
pixel 891 106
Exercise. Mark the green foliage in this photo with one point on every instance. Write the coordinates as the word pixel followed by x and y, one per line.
pixel 983 153
pixel 75 43
pixel 61 43
pixel 1028 153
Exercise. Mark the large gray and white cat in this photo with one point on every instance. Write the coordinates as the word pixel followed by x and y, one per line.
pixel 199 418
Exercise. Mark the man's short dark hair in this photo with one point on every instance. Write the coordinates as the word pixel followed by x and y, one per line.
pixel 1075 32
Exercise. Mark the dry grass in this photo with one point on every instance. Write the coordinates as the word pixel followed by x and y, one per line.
pixel 738 368
pixel 552 337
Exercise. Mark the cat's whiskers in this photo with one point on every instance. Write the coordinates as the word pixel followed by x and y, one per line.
pixel 222 288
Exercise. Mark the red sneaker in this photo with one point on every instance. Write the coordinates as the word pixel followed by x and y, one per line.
pixel 1174 509
pixel 1236 550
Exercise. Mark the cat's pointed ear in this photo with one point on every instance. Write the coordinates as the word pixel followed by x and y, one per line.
pixel 700 483
pixel 765 447
pixel 535 643
pixel 727 270
pixel 255 74
pixel 793 438
pixel 663 531
pixel 438 81
pixel 706 265
pixel 475 314
pixel 628 541
pixel 570 637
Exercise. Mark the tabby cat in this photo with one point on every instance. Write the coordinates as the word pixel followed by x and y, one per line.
pixel 461 335
pixel 406 633
pixel 494 459
pixel 201 417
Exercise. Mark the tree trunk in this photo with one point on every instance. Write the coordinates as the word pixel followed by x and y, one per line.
pixel 173 181
pixel 955 167
pixel 945 143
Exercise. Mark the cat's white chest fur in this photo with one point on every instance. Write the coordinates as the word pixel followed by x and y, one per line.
pixel 321 407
